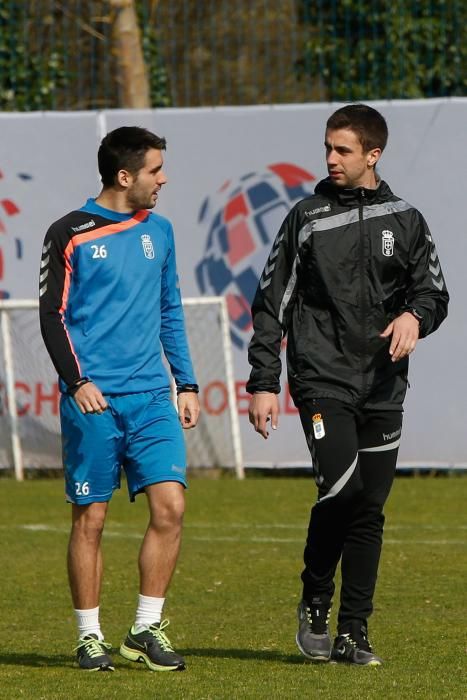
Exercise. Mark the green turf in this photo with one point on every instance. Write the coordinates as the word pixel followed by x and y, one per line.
pixel 233 598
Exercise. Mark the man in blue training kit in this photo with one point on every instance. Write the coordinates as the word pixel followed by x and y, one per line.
pixel 109 302
pixel 354 280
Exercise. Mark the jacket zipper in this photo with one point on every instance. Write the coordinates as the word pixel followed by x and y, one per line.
pixel 363 305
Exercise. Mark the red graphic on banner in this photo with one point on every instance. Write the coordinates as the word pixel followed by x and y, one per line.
pixel 8 208
pixel 241 221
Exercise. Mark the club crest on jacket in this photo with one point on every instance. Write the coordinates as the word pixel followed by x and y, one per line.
pixel 388 243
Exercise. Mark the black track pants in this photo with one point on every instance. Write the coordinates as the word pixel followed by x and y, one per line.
pixel 354 454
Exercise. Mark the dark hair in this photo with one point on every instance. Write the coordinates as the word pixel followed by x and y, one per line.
pixel 125 148
pixel 369 125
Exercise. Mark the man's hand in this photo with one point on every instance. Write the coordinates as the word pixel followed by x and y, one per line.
pixel 89 399
pixel 262 407
pixel 188 409
pixel 405 331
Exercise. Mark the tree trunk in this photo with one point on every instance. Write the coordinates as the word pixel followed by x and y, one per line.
pixel 132 73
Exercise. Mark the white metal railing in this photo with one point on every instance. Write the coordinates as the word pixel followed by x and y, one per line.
pixel 230 379
pixel 10 390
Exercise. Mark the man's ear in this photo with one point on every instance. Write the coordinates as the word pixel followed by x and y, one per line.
pixel 373 157
pixel 124 178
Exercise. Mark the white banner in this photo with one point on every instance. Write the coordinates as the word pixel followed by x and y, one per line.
pixel 233 175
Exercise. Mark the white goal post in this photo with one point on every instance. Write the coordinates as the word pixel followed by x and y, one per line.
pixel 29 396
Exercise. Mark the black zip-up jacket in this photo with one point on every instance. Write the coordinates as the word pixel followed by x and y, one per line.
pixel 344 264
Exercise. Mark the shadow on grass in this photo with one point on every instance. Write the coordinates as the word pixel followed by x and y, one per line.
pixel 244 655
pixel 36 660
pixel 66 661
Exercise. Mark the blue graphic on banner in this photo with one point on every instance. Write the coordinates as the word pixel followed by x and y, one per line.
pixel 241 221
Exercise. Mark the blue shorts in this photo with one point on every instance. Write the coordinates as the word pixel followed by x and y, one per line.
pixel 139 432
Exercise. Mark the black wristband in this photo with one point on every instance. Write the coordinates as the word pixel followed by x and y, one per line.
pixel 188 388
pixel 73 388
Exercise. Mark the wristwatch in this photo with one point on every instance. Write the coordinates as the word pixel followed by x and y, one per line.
pixel 73 388
pixel 187 388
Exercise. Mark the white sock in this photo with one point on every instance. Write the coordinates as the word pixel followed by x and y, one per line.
pixel 88 622
pixel 148 612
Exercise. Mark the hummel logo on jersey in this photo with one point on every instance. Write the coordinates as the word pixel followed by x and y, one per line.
pixel 388 243
pixel 318 210
pixel 83 227
pixel 147 246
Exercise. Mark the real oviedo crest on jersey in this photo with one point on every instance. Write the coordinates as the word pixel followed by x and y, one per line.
pixel 388 243
pixel 147 246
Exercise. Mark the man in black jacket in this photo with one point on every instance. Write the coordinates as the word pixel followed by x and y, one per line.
pixel 354 280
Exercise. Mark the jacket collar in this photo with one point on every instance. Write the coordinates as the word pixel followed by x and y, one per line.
pixel 354 196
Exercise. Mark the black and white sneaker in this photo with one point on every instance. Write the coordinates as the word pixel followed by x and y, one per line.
pixel 91 654
pixel 152 647
pixel 313 637
pixel 353 647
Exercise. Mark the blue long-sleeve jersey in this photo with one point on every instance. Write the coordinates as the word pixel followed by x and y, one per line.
pixel 110 301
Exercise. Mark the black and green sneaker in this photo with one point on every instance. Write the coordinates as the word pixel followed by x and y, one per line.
pixel 313 637
pixel 152 647
pixel 352 646
pixel 91 654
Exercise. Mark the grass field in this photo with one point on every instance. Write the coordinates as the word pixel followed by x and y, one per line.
pixel 233 598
